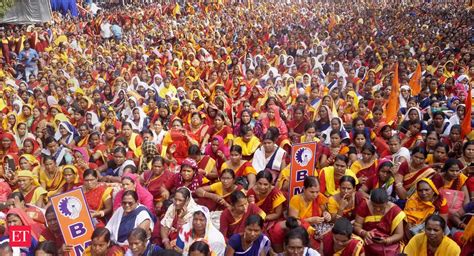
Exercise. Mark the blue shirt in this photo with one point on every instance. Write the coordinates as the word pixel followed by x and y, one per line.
pixel 27 56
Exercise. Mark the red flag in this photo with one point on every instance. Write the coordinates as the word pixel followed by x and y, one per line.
pixel 415 80
pixel 466 122
pixel 393 100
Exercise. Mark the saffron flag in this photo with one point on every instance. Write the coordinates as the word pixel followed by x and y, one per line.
pixel 303 162
pixel 74 219
pixel 393 100
pixel 332 23
pixel 466 122
pixel 415 80
pixel 176 10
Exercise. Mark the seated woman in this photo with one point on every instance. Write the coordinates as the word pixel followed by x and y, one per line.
pixel 176 143
pixel 129 216
pixel 380 223
pixel 217 150
pixel 310 206
pixel 131 181
pixel 206 164
pixel 18 217
pixel 140 243
pixel 252 242
pixel 329 176
pixel 452 178
pixel 200 248
pixel 98 197
pixel 384 179
pixel 242 168
pixel 16 200
pixel 101 244
pixel 177 215
pixel 426 201
pixel 29 186
pixel 341 241
pixel 273 119
pixel 296 126
pixel 268 198
pixel 359 139
pixel 297 243
pixel 344 203
pixel 119 166
pixel 219 128
pixel 433 241
pixel 158 180
pixel 233 218
pixel 270 156
pixel 335 148
pixel 248 142
pixel 200 228
pixel 50 177
pixel 216 197
pixel 71 178
pixel 366 167
pixel 188 176
pixel 413 171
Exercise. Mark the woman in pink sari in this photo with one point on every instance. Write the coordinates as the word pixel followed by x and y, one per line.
pixel 130 181
pixel 218 151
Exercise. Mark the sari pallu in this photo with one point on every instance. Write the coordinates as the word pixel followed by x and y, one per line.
pixel 269 203
pixel 363 170
pixel 354 247
pixel 121 225
pixel 95 199
pixel 54 184
pixel 411 178
pixel 217 189
pixel 154 184
pixel 384 226
pixel 175 137
pixel 230 226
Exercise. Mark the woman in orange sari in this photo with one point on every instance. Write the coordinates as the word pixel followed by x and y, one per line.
pixel 176 143
pixel 380 223
pixel 268 197
pixel 98 197
pixel 219 129
pixel 241 168
pixel 232 219
pixel 97 149
pixel 197 129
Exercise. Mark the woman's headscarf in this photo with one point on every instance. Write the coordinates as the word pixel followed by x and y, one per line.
pixel 141 122
pixel 13 146
pixel 32 160
pixel 144 196
pixel 36 228
pixel 149 151
pixel 74 169
pixel 70 129
pixel 279 123
pixel 29 174
pixel 212 236
pixel 84 153
pixel 222 147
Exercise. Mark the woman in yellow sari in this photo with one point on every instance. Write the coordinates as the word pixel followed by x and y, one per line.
pixel 217 195
pixel 9 122
pixel 51 177
pixel 247 141
pixel 426 201
pixel 29 186
pixel 329 176
pixel 433 241
pixel 241 168
pixel 29 162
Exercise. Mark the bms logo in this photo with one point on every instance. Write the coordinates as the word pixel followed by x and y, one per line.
pixel 70 207
pixel 303 156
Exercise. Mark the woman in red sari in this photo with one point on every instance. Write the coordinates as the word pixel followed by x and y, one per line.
pixel 176 143
pixel 380 223
pixel 366 167
pixel 98 150
pixel 413 172
pixel 158 180
pixel 273 119
pixel 268 197
pixel 218 150
pixel 296 126
pixel 197 129
pixel 341 241
pixel 220 129
pixel 8 144
pixel 233 219
pixel 98 197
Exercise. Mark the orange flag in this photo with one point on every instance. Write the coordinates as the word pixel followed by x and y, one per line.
pixel 415 80
pixel 332 23
pixel 393 100
pixel 466 122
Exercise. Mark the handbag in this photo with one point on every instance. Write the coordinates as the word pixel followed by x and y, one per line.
pixel 455 199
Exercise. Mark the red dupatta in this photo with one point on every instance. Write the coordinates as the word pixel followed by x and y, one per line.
pixel 94 197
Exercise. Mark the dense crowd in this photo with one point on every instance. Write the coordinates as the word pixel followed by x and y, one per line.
pixel 178 121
